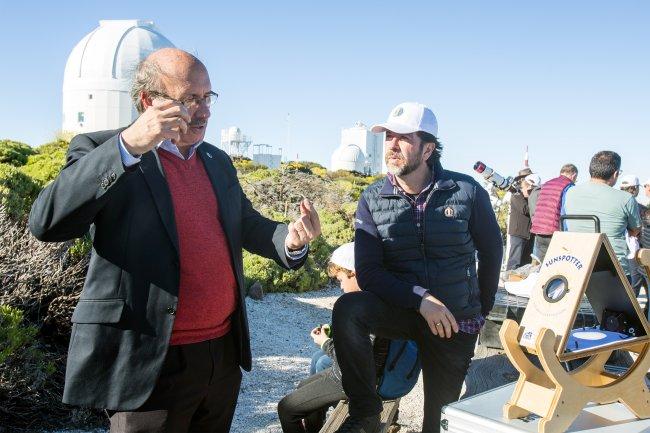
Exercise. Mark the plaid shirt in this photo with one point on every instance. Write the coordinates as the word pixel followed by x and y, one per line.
pixel 471 325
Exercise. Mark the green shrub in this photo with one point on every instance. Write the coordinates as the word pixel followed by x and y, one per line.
pixel 81 247
pixel 13 334
pixel 501 209
pixel 275 279
pixel 303 167
pixel 17 191
pixel 46 164
pixel 337 230
pixel 31 376
pixel 14 152
pixel 256 175
pixel 246 165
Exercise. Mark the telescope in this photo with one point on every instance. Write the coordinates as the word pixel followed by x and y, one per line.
pixel 495 178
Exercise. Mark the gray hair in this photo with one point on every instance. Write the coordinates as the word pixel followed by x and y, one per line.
pixel 146 79
pixel 569 169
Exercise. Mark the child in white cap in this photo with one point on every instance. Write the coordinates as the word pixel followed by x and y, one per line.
pixel 340 267
pixel 304 409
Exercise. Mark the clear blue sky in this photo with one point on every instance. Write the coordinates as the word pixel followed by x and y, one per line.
pixel 565 78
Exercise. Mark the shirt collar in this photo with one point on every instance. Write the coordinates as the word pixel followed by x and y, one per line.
pixel 172 148
pixel 393 181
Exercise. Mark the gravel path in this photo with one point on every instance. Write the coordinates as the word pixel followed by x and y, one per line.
pixel 282 348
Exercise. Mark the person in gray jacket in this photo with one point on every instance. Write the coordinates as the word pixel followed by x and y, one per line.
pixel 160 331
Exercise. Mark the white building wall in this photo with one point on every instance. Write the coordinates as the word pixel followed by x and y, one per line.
pixel 98 74
pixel 268 159
pixel 348 157
pixel 371 145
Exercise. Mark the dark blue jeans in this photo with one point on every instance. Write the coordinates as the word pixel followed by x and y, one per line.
pixel 319 362
pixel 445 362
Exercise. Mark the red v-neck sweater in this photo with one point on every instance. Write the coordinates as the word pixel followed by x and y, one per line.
pixel 207 290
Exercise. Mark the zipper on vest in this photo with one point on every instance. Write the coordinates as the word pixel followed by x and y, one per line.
pixel 424 227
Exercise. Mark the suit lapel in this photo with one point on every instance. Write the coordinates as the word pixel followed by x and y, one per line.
pixel 153 174
pixel 216 173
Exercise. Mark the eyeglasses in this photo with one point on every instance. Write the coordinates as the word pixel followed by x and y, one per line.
pixel 192 102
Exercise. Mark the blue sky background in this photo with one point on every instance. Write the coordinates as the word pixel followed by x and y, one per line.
pixel 565 78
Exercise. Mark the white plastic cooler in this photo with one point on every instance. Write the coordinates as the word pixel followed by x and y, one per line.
pixel 482 414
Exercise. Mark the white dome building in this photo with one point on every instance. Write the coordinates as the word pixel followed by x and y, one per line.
pixel 360 148
pixel 97 79
pixel 349 157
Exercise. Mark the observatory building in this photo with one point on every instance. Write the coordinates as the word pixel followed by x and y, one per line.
pixel 98 73
pixel 236 144
pixel 361 150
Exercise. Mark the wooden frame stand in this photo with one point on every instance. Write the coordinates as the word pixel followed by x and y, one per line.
pixel 584 264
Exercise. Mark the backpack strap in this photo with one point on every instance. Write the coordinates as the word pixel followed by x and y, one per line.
pixel 416 366
pixel 393 363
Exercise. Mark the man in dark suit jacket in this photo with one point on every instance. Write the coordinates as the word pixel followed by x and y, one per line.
pixel 160 331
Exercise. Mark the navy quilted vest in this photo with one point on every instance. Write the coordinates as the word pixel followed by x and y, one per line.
pixel 445 262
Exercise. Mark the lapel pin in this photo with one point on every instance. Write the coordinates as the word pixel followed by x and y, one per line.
pixel 209 154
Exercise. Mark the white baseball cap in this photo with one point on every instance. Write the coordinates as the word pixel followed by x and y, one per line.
pixel 533 179
pixel 343 256
pixel 409 117
pixel 629 180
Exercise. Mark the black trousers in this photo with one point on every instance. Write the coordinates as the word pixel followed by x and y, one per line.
pixel 444 361
pixel 309 402
pixel 196 392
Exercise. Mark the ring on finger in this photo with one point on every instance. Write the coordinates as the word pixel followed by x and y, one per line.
pixel 439 324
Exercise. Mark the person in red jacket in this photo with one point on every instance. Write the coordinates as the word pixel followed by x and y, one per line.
pixel 546 219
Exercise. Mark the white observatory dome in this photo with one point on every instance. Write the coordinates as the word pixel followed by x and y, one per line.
pixel 97 78
pixel 348 157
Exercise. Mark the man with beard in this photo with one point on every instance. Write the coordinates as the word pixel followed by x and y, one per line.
pixel 417 235
pixel 160 331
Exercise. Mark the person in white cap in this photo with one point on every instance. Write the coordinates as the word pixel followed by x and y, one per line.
pixel 417 234
pixel 630 183
pixel 303 410
pixel 534 184
pixel 644 199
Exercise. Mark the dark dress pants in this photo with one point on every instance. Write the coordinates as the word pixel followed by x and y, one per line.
pixel 444 361
pixel 516 247
pixel 309 402
pixel 196 392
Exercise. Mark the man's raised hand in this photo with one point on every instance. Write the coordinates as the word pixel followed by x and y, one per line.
pixel 164 120
pixel 304 229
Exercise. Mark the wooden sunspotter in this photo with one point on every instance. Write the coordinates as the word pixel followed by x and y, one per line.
pixel 387 418
pixel 576 264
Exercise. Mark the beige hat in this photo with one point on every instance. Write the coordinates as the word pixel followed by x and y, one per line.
pixel 523 173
